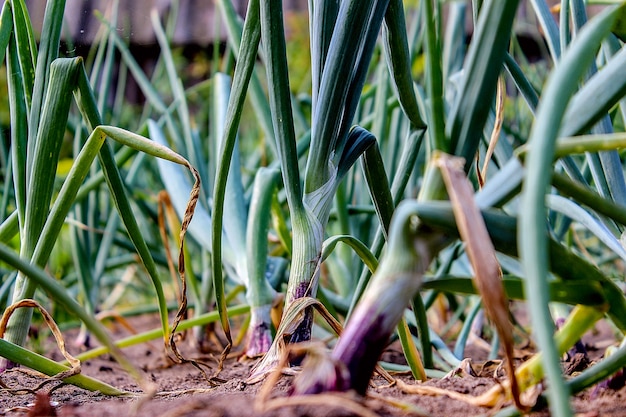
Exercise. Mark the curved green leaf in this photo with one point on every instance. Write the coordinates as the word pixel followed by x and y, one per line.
pixel 579 214
pixel 533 241
pixel 359 248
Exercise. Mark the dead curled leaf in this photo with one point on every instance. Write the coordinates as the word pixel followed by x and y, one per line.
pixel 292 318
pixel 29 303
pixel 493 398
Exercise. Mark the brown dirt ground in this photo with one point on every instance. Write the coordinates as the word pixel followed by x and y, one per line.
pixel 183 391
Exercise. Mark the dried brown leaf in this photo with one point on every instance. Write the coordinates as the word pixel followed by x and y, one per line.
pixel 482 256
pixel 29 303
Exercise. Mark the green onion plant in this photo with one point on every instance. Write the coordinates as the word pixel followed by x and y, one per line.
pixel 42 89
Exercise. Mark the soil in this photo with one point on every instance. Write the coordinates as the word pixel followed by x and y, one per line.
pixel 182 390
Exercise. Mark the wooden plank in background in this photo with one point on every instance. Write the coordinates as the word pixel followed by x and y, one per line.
pixel 195 22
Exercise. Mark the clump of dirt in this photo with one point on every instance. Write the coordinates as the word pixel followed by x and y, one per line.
pixel 182 390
